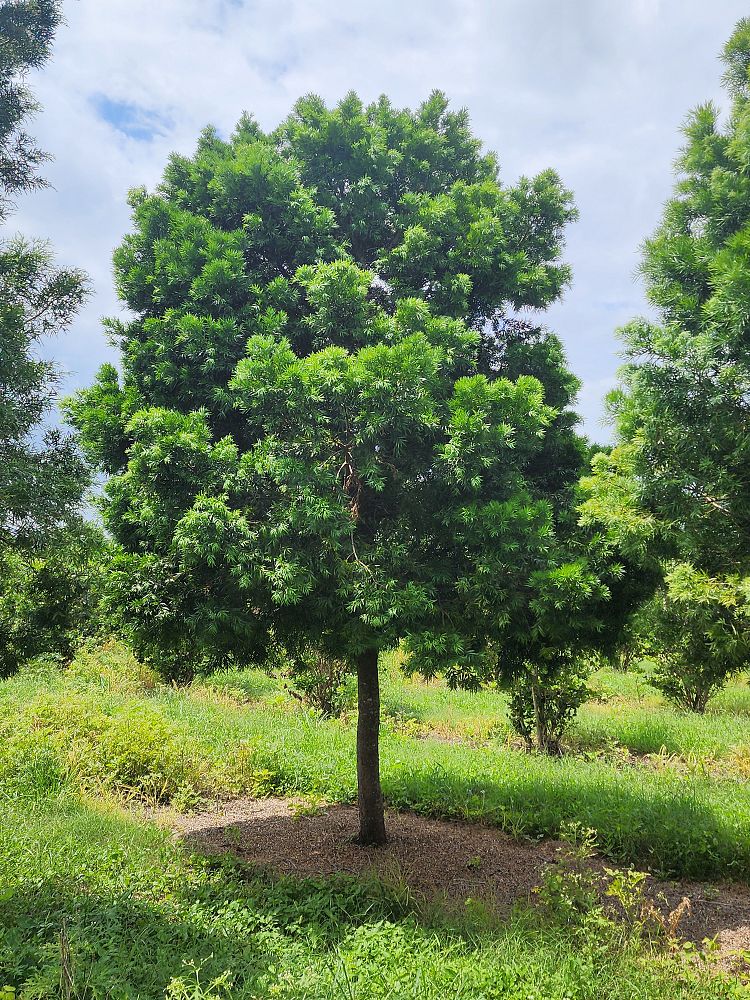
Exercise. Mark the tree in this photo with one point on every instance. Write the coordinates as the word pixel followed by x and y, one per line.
pixel 675 487
pixel 683 414
pixel 50 598
pixel 329 428
pixel 42 477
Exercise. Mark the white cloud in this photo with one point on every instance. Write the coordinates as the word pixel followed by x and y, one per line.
pixel 596 89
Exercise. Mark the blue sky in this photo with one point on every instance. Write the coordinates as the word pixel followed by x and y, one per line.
pixel 596 89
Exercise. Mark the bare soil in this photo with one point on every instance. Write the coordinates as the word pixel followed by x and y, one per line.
pixel 439 860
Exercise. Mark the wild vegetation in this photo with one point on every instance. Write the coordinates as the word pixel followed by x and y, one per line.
pixel 353 549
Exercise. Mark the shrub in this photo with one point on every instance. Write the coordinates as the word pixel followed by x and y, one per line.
pixel 49 600
pixel 695 633
pixel 111 665
pixel 543 700
pixel 322 682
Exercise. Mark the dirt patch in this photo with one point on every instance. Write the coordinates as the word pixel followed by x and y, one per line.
pixel 437 859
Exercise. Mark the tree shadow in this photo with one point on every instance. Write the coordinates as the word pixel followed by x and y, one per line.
pixel 445 862
pixel 424 860
pixel 667 827
pixel 225 917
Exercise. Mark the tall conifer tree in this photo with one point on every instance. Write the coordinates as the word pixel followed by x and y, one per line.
pixel 42 476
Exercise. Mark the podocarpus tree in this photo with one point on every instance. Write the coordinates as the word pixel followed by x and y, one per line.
pixel 676 486
pixel 328 427
pixel 42 476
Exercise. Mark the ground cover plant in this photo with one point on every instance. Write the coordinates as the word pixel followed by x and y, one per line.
pixel 143 920
pixel 100 899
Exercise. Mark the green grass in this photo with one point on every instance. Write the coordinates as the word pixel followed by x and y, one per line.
pixel 132 916
pixel 629 713
pixel 161 742
pixel 144 920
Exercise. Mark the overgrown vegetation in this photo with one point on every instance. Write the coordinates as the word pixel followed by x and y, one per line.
pixel 141 919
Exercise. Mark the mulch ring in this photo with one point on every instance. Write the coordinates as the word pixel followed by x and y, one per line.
pixel 443 860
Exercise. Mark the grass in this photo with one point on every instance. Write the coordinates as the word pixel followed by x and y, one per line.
pixel 141 919
pixel 96 902
pixel 628 713
pixel 96 727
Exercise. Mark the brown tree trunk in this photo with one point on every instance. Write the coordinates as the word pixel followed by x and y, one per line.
pixel 541 733
pixel 369 793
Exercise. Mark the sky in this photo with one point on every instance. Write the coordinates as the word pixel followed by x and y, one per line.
pixel 596 89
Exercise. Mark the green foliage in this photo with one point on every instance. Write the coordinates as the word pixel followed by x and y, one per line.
pixel 50 598
pixel 138 916
pixel 145 919
pixel 569 889
pixel 27 28
pixel 327 428
pixel 674 488
pixel 42 476
pixel 322 682
pixel 682 413
pixel 47 557
pixel 695 630
pixel 545 698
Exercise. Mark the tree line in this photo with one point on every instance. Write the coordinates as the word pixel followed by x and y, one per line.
pixel 339 424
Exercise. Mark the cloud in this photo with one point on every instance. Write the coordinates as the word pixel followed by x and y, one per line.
pixel 597 89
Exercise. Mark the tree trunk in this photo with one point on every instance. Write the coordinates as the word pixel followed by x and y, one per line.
pixel 541 732
pixel 369 793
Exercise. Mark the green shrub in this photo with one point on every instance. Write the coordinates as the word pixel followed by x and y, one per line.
pixel 133 751
pixel 111 665
pixel 323 682
pixel 49 600
pixel 696 633
pixel 544 699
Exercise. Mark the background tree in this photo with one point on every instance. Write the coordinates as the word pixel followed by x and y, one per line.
pixel 50 598
pixel 693 632
pixel 676 485
pixel 328 427
pixel 41 475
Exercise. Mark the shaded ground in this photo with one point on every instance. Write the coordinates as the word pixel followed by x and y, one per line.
pixel 438 859
pixel 434 858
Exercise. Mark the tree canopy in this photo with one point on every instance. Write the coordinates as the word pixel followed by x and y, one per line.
pixel 42 477
pixel 673 493
pixel 679 476
pixel 331 424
